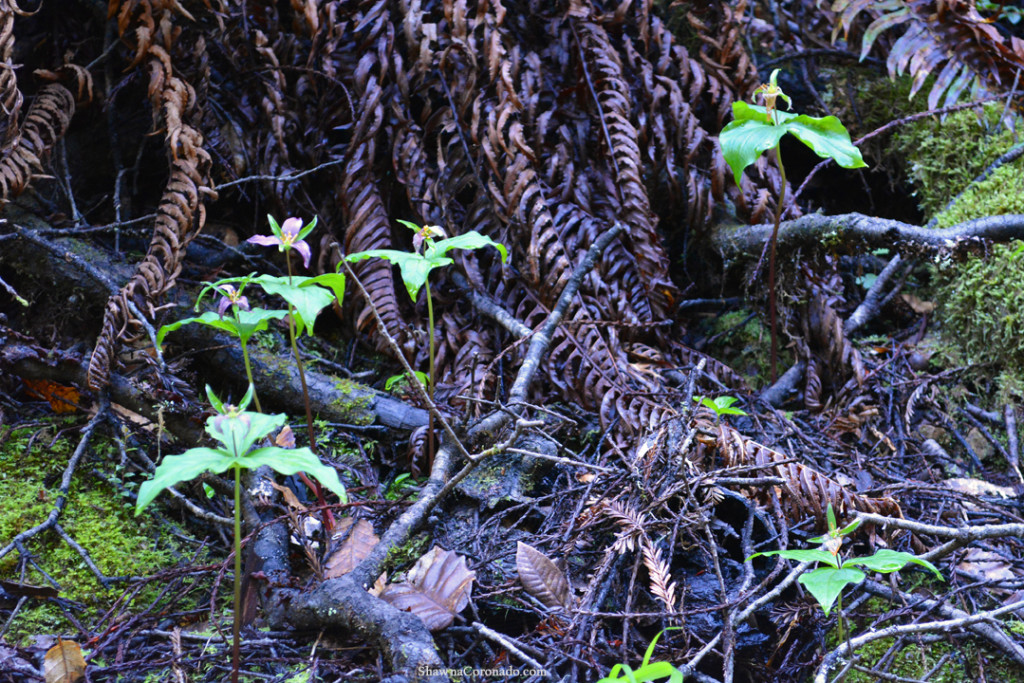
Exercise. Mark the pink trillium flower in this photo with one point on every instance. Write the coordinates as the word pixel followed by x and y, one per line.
pixel 230 297
pixel 287 241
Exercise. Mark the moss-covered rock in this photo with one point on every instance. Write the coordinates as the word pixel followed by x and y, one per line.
pixel 982 314
pixel 945 155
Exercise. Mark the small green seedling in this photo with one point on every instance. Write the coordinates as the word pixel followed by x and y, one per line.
pixel 238 432
pixel 648 671
pixel 755 129
pixel 402 381
pixel 827 583
pixel 401 486
pixel 721 405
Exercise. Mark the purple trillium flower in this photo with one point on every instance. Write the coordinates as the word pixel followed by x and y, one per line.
pixel 230 296
pixel 287 241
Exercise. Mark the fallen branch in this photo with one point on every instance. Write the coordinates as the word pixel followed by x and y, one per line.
pixel 960 536
pixel 74 266
pixel 858 230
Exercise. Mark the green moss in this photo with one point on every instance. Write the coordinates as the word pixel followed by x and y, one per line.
pixel 99 519
pixel 982 313
pixel 353 402
pixel 915 661
pixel 945 155
pixel 863 100
pixel 405 555
pixel 1002 193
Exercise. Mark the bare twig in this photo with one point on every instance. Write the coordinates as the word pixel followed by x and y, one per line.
pixel 512 646
pixel 870 306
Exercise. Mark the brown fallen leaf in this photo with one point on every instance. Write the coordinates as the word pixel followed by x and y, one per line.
pixel 985 565
pixel 63 663
pixel 919 306
pixel 353 550
pixel 438 588
pixel 62 399
pixel 541 578
pixel 979 487
pixel 285 438
pixel 289 497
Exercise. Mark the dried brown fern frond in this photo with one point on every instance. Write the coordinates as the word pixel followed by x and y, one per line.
pixel 46 122
pixel 631 522
pixel 662 585
pixel 180 213
pixel 805 491
pixel 623 151
pixel 11 98
pixel 832 360
pixel 947 38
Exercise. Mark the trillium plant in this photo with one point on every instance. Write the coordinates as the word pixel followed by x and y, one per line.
pixel 756 129
pixel 306 297
pixel 827 582
pixel 239 434
pixel 305 301
pixel 428 253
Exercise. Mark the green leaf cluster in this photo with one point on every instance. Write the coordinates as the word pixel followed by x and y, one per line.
pixel 237 431
pixel 648 671
pixel 827 583
pixel 416 267
pixel 721 405
pixel 752 132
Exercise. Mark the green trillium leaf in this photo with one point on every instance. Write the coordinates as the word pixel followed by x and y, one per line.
pixel 178 468
pixel 827 583
pixel 888 561
pixel 750 133
pixel 415 268
pixel 743 141
pixel 808 555
pixel 469 240
pixel 248 323
pixel 307 299
pixel 289 461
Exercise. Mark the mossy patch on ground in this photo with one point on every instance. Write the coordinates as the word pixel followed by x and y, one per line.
pixel 954 659
pixel 32 461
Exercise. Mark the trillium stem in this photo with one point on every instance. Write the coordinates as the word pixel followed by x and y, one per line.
pixel 430 321
pixel 248 372
pixel 298 360
pixel 771 264
pixel 237 627
pixel 430 388
pixel 327 517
